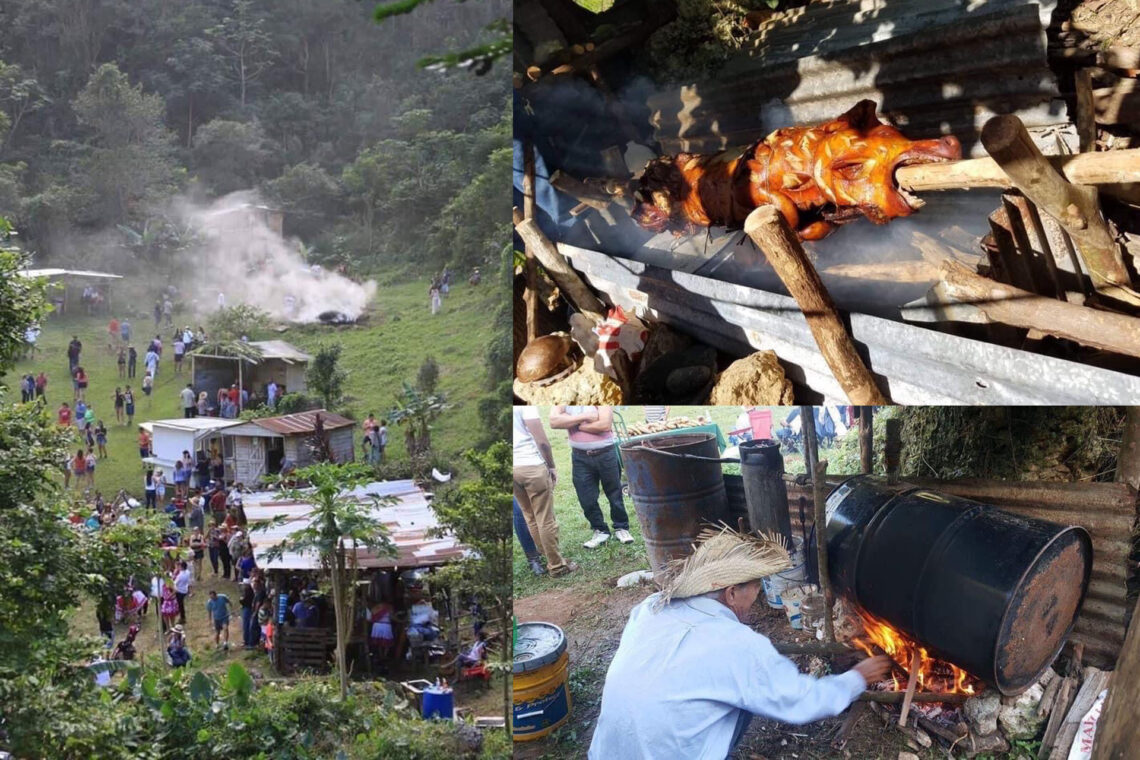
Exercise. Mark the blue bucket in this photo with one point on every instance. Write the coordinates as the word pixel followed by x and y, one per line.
pixel 438 704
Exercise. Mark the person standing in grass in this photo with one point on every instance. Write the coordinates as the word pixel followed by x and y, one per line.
pixel 81 416
pixel 187 396
pixel 119 404
pixel 89 418
pixel 80 383
pixel 182 580
pixel 121 362
pixel 150 361
pixel 179 352
pixel 534 476
pixel 63 416
pixel 149 489
pixel 219 609
pixel 148 386
pixel 101 439
pixel 594 462
pixel 198 548
pixel 144 442
pixel 214 541
pixel 129 405
pixel 112 334
pixel 41 387
pixel 160 488
pixel 132 361
pixel 79 467
pixel 74 348
pixel 91 462
pixel 125 330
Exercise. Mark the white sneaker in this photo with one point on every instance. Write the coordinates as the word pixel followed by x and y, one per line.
pixel 598 539
pixel 622 535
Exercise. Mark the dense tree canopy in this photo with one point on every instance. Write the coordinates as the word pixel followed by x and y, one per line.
pixel 110 108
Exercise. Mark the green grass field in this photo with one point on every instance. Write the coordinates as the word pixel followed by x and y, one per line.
pixel 601 567
pixel 378 356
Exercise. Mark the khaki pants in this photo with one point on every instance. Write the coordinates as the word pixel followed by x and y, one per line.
pixel 535 493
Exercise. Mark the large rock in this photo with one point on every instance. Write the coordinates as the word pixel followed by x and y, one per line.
pixel 989 745
pixel 1018 715
pixel 754 380
pixel 982 712
pixel 584 386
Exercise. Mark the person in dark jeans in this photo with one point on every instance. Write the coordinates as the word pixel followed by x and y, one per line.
pixel 530 551
pixel 594 463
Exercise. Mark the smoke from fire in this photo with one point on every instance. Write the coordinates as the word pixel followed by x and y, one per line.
pixel 241 256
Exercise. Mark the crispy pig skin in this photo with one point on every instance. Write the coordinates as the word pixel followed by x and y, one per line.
pixel 818 178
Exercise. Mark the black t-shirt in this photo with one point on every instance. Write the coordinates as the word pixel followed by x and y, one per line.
pixel 247 596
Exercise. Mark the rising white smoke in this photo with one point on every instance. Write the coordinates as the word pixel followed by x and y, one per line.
pixel 242 257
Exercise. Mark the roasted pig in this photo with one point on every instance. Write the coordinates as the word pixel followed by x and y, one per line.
pixel 818 178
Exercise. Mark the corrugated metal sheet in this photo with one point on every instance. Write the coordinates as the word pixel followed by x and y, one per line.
pixel 303 422
pixel 982 59
pixel 279 349
pixel 407 521
pixel 70 273
pixel 1106 510
pixel 919 366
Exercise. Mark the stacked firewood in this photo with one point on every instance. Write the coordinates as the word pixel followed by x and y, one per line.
pixel 648 428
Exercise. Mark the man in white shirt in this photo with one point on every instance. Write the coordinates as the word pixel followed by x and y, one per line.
pixel 182 580
pixel 689 675
pixel 534 479
pixel 594 462
pixel 188 398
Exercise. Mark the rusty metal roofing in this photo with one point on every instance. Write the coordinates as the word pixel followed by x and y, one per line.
pixel 303 422
pixel 937 67
pixel 283 350
pixel 408 522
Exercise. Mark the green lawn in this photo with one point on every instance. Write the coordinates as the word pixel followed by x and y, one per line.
pixel 602 566
pixel 400 333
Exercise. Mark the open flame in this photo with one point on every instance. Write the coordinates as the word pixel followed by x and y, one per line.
pixel 933 675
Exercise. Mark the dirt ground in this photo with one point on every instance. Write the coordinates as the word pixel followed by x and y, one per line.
pixel 593 623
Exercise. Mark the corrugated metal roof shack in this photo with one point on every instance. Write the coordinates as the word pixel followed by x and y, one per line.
pixel 280 362
pixel 408 521
pixel 258 447
pixel 65 283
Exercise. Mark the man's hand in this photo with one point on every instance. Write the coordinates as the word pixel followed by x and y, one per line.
pixel 873 669
pixel 553 476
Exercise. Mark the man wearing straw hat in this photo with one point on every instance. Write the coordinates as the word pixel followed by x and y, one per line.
pixel 689 674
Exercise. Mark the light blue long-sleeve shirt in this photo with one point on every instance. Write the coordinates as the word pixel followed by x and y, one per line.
pixel 682 675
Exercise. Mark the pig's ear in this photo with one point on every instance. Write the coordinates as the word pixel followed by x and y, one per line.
pixel 861 116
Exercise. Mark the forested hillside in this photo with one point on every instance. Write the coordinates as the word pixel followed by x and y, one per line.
pixel 111 109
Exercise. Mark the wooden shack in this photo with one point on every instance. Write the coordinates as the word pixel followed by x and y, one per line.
pixel 408 516
pixel 259 447
pixel 279 362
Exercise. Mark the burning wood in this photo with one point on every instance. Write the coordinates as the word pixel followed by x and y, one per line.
pixel 934 675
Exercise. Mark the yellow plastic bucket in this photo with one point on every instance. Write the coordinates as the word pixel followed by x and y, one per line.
pixel 541 696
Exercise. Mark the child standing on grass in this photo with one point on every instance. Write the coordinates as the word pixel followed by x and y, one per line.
pixel 118 399
pixel 160 488
pixel 80 383
pixel 79 467
pixel 148 386
pixel 90 468
pixel 101 439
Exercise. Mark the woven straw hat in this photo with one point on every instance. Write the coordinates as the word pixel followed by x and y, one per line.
pixel 723 558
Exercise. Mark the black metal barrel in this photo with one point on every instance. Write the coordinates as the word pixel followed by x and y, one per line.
pixel 762 467
pixel 677 489
pixel 992 592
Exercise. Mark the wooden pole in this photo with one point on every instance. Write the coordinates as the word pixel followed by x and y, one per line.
pixel 911 683
pixel 819 471
pixel 1010 305
pixel 771 234
pixel 892 448
pixel 1117 167
pixel 560 271
pixel 897 697
pixel 866 439
pixel 530 273
pixel 1118 731
pixel 1128 460
pixel 1074 207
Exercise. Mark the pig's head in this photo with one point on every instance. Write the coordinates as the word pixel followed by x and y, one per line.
pixel 859 159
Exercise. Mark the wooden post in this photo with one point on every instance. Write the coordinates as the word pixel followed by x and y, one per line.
pixel 892 448
pixel 911 683
pixel 771 234
pixel 819 472
pixel 897 697
pixel 1086 110
pixel 560 271
pixel 1074 207
pixel 1128 460
pixel 867 439
pixel 530 273
pixel 1118 731
pixel 1010 305
pixel 1116 167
